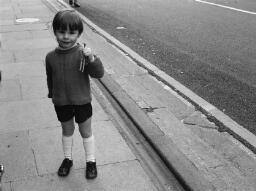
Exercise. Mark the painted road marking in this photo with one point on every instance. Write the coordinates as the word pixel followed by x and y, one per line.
pixel 226 7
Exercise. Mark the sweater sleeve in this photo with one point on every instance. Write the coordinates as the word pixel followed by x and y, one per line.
pixel 95 68
pixel 49 78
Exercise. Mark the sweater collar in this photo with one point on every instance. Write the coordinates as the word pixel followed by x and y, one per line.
pixel 65 51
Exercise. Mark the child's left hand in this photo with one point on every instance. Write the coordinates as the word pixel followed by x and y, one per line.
pixel 87 52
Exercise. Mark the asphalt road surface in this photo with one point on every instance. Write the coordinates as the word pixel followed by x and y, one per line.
pixel 209 46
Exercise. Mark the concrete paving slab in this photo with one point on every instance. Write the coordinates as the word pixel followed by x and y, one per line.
pixel 5 6
pixel 29 55
pixel 176 104
pixel 197 118
pixel 6 57
pixel 30 9
pixel 7 15
pixel 118 70
pixel 16 36
pixel 10 90
pixel 6 21
pixel 31 114
pixel 6 186
pixel 98 113
pixel 23 69
pixel 232 150
pixel 47 147
pixel 39 7
pixel 145 88
pixel 111 146
pixel 15 8
pixel 28 2
pixel 28 44
pixel 6 9
pixel 138 92
pixel 125 176
pixel 16 155
pixel 5 3
pixel 42 34
pixel 126 62
pixel 33 88
pixel 23 27
pixel 180 135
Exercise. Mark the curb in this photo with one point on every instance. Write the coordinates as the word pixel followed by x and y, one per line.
pixel 183 169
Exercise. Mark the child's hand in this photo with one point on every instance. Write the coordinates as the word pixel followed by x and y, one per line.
pixel 87 52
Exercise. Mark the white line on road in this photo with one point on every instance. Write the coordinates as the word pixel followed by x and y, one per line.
pixel 226 7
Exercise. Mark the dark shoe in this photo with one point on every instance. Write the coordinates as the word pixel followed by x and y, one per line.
pixel 65 167
pixel 71 2
pixel 91 170
pixel 76 4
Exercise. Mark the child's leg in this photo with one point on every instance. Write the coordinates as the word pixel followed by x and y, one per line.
pixel 83 114
pixel 89 147
pixel 65 115
pixel 88 139
pixel 68 128
pixel 67 144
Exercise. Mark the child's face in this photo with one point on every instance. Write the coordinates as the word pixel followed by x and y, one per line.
pixel 66 38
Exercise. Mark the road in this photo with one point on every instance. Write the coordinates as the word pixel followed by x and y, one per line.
pixel 209 46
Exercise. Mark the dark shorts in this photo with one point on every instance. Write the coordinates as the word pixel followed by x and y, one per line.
pixel 80 112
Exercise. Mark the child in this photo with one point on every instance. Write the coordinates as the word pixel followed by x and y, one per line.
pixel 68 68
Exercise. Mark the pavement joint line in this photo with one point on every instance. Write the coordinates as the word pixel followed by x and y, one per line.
pixel 213 114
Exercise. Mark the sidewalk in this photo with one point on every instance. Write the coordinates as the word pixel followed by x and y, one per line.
pixel 30 145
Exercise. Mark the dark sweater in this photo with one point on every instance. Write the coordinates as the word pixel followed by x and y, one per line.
pixel 67 85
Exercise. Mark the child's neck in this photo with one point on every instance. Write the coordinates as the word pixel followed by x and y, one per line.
pixel 61 48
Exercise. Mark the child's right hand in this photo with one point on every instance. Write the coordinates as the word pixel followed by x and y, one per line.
pixel 87 52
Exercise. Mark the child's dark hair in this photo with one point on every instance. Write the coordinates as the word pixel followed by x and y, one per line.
pixel 67 19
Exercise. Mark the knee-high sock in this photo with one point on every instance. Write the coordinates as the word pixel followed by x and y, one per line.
pixel 67 144
pixel 89 148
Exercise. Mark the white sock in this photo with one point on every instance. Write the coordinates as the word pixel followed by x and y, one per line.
pixel 89 148
pixel 67 144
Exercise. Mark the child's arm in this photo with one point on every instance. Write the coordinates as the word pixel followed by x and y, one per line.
pixel 94 66
pixel 49 78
